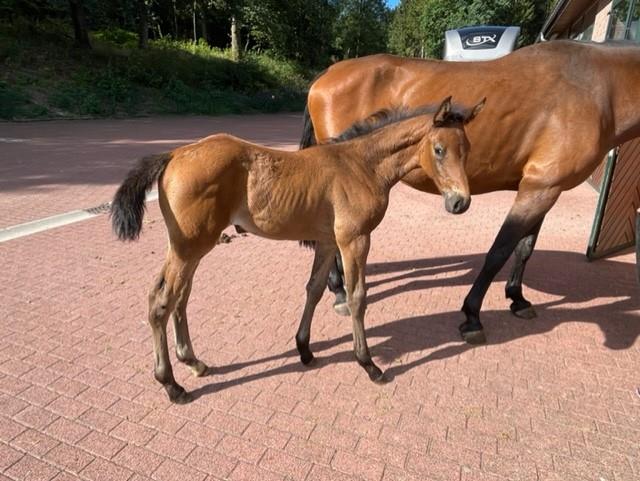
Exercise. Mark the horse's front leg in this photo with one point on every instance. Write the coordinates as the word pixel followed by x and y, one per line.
pixel 527 212
pixel 520 306
pixel 354 259
pixel 324 256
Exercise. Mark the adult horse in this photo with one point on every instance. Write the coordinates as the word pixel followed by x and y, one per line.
pixel 556 109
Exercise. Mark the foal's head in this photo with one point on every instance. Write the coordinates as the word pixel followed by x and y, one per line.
pixel 443 154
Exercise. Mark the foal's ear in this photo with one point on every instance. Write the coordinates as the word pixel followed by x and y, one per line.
pixel 443 112
pixel 475 111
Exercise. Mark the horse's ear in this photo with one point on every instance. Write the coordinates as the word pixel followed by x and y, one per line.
pixel 475 111
pixel 443 112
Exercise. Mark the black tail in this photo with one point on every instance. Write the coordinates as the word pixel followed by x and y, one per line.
pixel 127 207
pixel 308 134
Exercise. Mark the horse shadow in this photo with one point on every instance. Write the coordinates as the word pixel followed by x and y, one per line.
pixel 602 292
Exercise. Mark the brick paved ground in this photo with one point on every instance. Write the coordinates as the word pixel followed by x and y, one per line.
pixel 548 399
pixel 52 167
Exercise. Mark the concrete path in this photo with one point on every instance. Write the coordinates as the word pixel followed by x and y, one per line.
pixel 552 399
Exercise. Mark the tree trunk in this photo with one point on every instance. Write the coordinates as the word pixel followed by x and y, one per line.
pixel 143 24
pixel 79 24
pixel 195 30
pixel 175 21
pixel 235 38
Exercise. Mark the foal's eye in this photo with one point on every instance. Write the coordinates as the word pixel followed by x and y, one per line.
pixel 439 151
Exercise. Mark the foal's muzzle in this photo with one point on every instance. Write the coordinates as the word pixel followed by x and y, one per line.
pixel 456 203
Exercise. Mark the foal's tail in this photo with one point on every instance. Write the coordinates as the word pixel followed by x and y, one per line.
pixel 127 207
pixel 308 134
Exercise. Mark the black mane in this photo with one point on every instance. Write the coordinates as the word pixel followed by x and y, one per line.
pixel 385 117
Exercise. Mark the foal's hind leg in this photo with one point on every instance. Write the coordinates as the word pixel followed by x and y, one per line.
pixel 172 284
pixel 354 258
pixel 184 349
pixel 324 256
pixel 520 306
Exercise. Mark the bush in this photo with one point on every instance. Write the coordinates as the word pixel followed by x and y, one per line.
pixel 117 78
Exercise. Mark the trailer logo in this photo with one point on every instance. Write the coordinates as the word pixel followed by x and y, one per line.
pixel 480 40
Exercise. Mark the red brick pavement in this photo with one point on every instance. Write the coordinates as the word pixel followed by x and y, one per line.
pixel 549 399
pixel 48 168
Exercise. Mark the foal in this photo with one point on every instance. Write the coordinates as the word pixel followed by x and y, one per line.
pixel 334 195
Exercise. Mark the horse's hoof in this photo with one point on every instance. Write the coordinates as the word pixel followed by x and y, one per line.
pixel 376 374
pixel 178 395
pixel 472 335
pixel 342 309
pixel 307 358
pixel 523 311
pixel 199 369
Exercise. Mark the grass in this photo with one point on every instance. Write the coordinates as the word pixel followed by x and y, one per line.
pixel 44 76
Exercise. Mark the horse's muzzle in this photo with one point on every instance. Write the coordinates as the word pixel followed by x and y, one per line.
pixel 456 203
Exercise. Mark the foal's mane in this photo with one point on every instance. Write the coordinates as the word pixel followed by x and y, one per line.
pixel 384 117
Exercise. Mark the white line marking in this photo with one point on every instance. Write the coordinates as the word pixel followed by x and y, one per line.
pixel 41 225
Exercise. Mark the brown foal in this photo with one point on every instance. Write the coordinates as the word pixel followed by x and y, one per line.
pixel 334 195
pixel 556 109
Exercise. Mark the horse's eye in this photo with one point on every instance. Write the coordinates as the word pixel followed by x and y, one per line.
pixel 439 151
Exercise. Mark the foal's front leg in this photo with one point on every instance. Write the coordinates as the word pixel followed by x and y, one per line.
pixel 354 259
pixel 324 256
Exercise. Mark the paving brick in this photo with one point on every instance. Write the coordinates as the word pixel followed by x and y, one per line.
pixel 138 459
pixel 133 433
pixel 248 472
pixel 102 470
pixel 310 451
pixel 353 465
pixel 171 447
pixel 334 438
pixel 8 456
pixel 241 449
pixel 101 445
pixel 432 467
pixel 9 429
pixel 171 470
pixel 34 443
pixel 29 468
pixel 68 458
pixel 211 462
pixel 36 417
pixel 285 464
pixel 68 431
pixel 266 436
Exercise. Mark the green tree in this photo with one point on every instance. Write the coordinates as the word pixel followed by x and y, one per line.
pixel 361 27
pixel 418 25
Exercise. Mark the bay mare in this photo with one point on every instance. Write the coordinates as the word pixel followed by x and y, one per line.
pixel 556 109
pixel 333 195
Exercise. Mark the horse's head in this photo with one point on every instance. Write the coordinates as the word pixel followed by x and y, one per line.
pixel 444 152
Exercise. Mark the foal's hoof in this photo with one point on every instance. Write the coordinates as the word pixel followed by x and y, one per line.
pixel 199 369
pixel 178 395
pixel 342 309
pixel 472 334
pixel 523 310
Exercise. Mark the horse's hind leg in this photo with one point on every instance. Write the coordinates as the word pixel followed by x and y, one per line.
pixel 520 306
pixel 336 285
pixel 184 348
pixel 172 283
pixel 324 259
